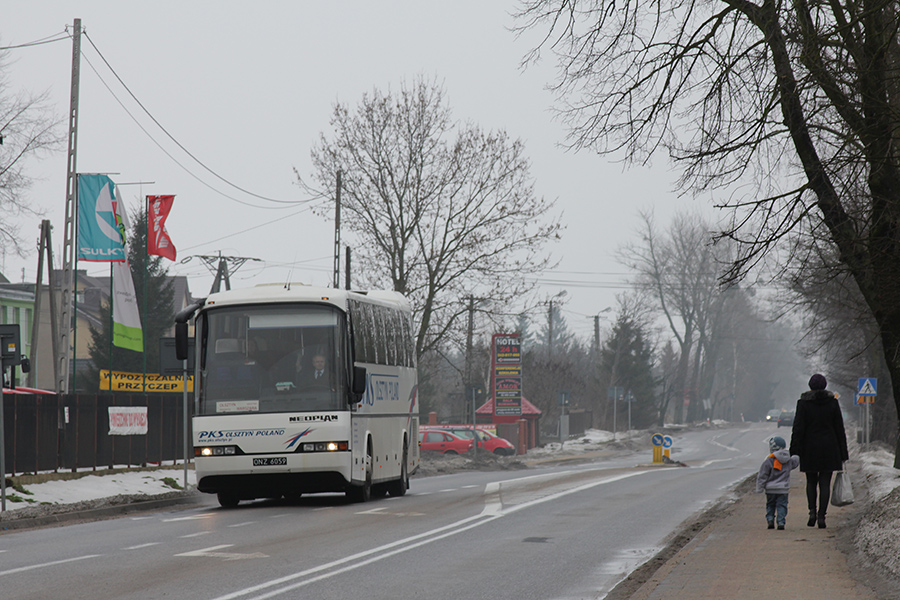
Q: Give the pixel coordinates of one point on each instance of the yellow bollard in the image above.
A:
(657, 439)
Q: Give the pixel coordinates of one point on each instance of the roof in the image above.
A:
(297, 292)
(527, 408)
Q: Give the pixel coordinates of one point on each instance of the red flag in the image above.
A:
(158, 241)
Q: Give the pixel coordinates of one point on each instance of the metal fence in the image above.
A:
(50, 432)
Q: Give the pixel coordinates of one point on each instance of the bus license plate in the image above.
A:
(270, 462)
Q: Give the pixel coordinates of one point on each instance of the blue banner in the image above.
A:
(99, 236)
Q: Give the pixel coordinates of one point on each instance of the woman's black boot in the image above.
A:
(812, 519)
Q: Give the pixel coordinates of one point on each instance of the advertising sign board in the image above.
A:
(506, 374)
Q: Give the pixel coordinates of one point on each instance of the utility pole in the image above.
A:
(45, 246)
(550, 329)
(337, 233)
(470, 328)
(68, 258)
(347, 268)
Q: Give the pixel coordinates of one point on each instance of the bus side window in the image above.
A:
(358, 332)
(372, 323)
(409, 341)
(397, 338)
(383, 330)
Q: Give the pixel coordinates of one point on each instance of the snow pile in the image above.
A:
(591, 441)
(94, 487)
(878, 533)
(881, 478)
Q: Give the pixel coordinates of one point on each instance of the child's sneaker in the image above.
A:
(780, 527)
(771, 525)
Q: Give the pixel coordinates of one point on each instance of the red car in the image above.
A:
(486, 439)
(443, 441)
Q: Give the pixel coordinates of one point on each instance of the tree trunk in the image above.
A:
(891, 342)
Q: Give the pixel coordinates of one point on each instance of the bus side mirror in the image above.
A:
(358, 386)
(181, 341)
(182, 349)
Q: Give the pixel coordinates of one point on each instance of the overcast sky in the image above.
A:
(247, 87)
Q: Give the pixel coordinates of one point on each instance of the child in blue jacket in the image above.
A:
(774, 479)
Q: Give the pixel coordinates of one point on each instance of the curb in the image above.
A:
(96, 514)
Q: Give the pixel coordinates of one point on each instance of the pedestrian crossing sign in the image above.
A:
(867, 386)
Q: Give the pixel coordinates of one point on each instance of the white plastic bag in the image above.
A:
(842, 490)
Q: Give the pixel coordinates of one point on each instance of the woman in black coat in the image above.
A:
(819, 440)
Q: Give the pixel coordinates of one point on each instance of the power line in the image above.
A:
(175, 141)
(47, 40)
(166, 152)
(246, 230)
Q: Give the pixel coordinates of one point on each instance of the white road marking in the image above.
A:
(715, 441)
(49, 564)
(372, 511)
(198, 534)
(244, 524)
(493, 510)
(706, 463)
(447, 490)
(212, 552)
(191, 518)
(139, 546)
(380, 512)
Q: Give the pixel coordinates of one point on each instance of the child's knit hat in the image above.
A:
(776, 443)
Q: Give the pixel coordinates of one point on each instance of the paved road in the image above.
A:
(559, 532)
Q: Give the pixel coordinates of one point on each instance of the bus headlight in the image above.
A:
(215, 450)
(324, 446)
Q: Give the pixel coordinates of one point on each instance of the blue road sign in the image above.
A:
(668, 441)
(868, 386)
(658, 439)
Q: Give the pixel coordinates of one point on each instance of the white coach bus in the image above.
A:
(301, 389)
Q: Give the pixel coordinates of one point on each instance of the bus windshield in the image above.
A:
(264, 358)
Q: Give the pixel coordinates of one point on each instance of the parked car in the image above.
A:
(786, 418)
(486, 439)
(443, 441)
(773, 415)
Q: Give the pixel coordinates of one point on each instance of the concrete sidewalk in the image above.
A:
(738, 558)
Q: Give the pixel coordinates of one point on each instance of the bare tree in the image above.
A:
(841, 327)
(440, 210)
(677, 268)
(798, 98)
(27, 129)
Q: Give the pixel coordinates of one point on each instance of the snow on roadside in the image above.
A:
(877, 465)
(877, 535)
(591, 440)
(94, 487)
